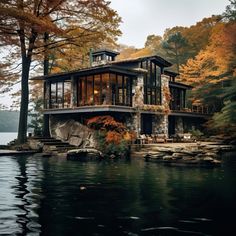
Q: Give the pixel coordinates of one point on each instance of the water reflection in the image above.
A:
(41, 196)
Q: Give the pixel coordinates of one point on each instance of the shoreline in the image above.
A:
(183, 154)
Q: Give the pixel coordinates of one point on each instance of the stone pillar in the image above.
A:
(165, 92)
(160, 124)
(138, 89)
(133, 123)
(73, 92)
(138, 98)
(179, 128)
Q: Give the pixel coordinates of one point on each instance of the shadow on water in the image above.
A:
(51, 196)
(27, 191)
(21, 192)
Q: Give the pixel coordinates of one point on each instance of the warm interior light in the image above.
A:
(95, 91)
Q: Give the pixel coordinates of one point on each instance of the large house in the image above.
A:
(142, 93)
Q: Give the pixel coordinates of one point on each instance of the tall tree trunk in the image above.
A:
(22, 128)
(26, 62)
(46, 56)
(46, 132)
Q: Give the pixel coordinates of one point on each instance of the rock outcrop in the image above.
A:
(197, 155)
(73, 132)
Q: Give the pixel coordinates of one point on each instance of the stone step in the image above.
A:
(64, 146)
(55, 143)
(49, 140)
(39, 138)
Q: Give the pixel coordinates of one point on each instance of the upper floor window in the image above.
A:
(152, 83)
(58, 94)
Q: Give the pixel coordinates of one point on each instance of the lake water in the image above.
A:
(53, 196)
(5, 138)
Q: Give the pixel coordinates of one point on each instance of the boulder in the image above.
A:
(73, 132)
(177, 155)
(207, 158)
(167, 158)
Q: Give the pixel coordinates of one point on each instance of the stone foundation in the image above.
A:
(160, 124)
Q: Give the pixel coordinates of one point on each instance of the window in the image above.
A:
(97, 89)
(53, 96)
(178, 98)
(89, 90)
(67, 94)
(105, 89)
(60, 94)
(152, 83)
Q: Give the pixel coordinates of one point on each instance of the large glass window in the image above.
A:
(67, 94)
(177, 98)
(53, 97)
(152, 83)
(90, 90)
(119, 90)
(105, 89)
(97, 89)
(60, 94)
(82, 91)
(113, 88)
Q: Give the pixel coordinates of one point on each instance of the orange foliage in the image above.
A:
(113, 137)
(115, 131)
(105, 122)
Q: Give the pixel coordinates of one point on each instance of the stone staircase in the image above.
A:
(49, 144)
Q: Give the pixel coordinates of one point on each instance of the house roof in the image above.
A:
(108, 52)
(170, 73)
(89, 71)
(179, 85)
(157, 59)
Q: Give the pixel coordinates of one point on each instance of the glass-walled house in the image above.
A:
(134, 91)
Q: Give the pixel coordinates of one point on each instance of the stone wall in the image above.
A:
(165, 91)
(132, 122)
(72, 132)
(160, 124)
(138, 91)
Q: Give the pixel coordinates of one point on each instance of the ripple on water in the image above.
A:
(54, 196)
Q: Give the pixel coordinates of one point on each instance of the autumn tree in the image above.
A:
(213, 74)
(24, 24)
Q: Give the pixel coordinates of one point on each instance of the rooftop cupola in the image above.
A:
(102, 57)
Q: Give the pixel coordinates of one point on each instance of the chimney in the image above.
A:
(103, 56)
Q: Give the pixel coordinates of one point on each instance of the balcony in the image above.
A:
(194, 110)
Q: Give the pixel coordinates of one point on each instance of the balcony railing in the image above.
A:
(199, 109)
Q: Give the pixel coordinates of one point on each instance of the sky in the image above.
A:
(145, 17)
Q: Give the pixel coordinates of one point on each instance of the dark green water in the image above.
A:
(40, 196)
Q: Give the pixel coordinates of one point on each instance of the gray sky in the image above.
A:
(144, 17)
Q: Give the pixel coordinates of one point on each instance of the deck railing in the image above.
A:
(193, 109)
